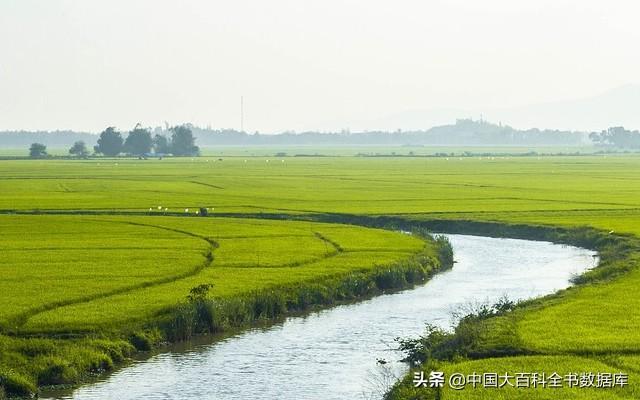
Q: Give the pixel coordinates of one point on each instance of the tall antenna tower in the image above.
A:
(241, 113)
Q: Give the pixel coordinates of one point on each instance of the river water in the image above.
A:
(332, 354)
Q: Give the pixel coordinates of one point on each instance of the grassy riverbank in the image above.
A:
(92, 313)
(586, 328)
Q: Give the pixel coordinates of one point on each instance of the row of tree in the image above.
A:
(140, 142)
(617, 137)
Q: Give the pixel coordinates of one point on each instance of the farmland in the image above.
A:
(345, 185)
(96, 271)
(94, 248)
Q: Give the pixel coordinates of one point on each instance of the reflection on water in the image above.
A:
(332, 354)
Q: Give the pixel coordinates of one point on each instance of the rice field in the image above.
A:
(128, 246)
(74, 273)
(324, 184)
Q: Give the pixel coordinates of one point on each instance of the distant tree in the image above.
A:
(616, 136)
(79, 149)
(596, 138)
(161, 144)
(183, 142)
(37, 150)
(109, 143)
(138, 141)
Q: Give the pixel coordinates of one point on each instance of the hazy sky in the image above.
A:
(86, 64)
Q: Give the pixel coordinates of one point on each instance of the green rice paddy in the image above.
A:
(110, 260)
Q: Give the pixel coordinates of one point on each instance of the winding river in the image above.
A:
(332, 354)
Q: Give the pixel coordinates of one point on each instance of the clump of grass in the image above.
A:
(354, 286)
(26, 363)
(119, 350)
(55, 370)
(445, 250)
(314, 294)
(181, 323)
(437, 344)
(141, 340)
(15, 384)
(268, 304)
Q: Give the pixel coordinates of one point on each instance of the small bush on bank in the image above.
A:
(445, 250)
(436, 344)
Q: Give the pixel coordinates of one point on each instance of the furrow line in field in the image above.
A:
(206, 184)
(23, 318)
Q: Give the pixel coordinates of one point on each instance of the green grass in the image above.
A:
(103, 272)
(253, 151)
(28, 362)
(120, 278)
(70, 273)
(599, 315)
(346, 151)
(331, 184)
(24, 152)
(51, 260)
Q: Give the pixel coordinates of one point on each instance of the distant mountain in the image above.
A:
(410, 120)
(615, 107)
